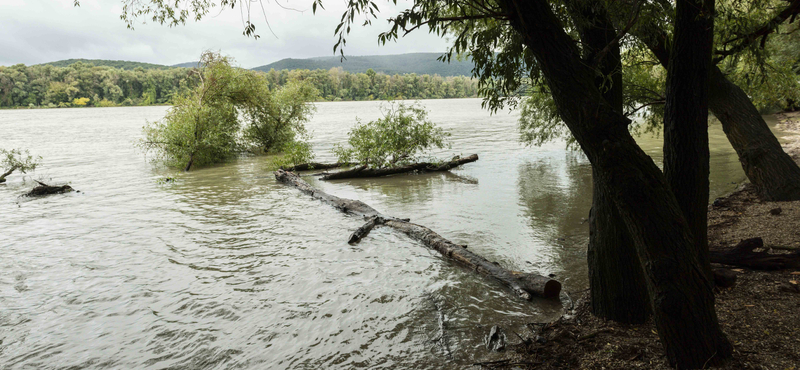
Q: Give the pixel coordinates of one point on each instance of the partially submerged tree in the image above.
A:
(17, 160)
(400, 137)
(204, 126)
(274, 119)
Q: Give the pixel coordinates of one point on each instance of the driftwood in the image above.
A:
(316, 166)
(525, 285)
(44, 189)
(743, 255)
(363, 171)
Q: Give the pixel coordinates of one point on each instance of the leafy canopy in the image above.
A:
(205, 125)
(17, 159)
(401, 136)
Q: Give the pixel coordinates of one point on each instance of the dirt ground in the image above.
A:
(760, 314)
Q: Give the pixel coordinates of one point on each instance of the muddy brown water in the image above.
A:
(225, 268)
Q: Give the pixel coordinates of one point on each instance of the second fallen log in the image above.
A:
(363, 171)
(525, 285)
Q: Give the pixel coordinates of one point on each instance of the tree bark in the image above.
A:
(525, 285)
(686, 153)
(773, 172)
(618, 290)
(363, 171)
(681, 293)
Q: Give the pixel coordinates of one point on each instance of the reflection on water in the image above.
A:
(225, 268)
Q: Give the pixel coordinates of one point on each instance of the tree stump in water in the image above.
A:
(525, 285)
(44, 189)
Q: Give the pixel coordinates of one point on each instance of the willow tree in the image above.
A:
(531, 38)
(230, 110)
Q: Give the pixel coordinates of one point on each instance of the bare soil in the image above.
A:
(760, 314)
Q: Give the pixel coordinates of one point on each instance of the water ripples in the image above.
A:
(224, 268)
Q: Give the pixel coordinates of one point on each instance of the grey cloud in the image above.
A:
(39, 31)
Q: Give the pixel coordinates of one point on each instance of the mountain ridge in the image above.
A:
(419, 63)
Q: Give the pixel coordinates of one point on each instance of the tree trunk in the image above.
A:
(617, 285)
(525, 285)
(618, 289)
(773, 172)
(686, 153)
(3, 176)
(363, 171)
(681, 293)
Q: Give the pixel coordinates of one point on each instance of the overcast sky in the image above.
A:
(40, 31)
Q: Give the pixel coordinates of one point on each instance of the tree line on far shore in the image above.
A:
(81, 84)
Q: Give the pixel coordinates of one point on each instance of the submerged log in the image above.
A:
(363, 171)
(525, 285)
(44, 189)
(743, 255)
(316, 166)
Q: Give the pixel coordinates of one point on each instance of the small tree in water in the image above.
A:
(204, 125)
(399, 137)
(16, 159)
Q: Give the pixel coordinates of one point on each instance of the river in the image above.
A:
(225, 268)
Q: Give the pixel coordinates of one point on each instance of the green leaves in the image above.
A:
(18, 159)
(399, 137)
(205, 125)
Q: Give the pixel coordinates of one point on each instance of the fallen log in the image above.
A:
(743, 255)
(363, 171)
(525, 285)
(316, 166)
(44, 189)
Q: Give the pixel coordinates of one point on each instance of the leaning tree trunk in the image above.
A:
(686, 153)
(773, 172)
(618, 289)
(525, 285)
(681, 293)
(4, 175)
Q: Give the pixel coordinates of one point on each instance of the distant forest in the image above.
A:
(85, 83)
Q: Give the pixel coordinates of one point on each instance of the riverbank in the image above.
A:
(759, 314)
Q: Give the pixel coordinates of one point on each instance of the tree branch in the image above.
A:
(762, 32)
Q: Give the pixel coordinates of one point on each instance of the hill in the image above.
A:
(186, 65)
(419, 63)
(122, 64)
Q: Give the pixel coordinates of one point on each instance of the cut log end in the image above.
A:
(539, 285)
